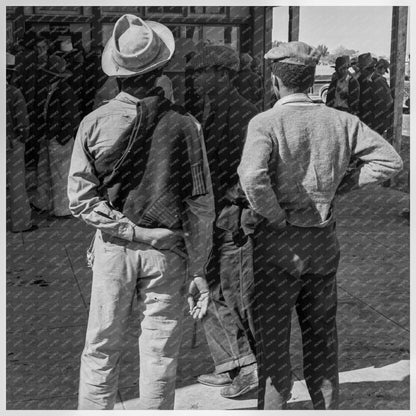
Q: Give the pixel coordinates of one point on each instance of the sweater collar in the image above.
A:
(297, 98)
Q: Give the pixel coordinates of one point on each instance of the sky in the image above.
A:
(364, 29)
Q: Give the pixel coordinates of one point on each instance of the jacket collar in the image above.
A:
(126, 98)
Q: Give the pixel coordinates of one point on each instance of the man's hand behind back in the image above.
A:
(159, 238)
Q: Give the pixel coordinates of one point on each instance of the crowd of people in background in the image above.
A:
(57, 83)
(359, 87)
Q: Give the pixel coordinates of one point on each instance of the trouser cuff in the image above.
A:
(235, 363)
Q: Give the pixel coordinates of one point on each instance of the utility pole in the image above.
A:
(294, 12)
(397, 71)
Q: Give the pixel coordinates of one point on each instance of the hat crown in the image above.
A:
(341, 61)
(216, 55)
(383, 62)
(135, 40)
(365, 60)
(136, 47)
(297, 53)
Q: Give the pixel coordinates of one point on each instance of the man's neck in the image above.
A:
(139, 92)
(284, 92)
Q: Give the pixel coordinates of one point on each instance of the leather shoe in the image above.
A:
(215, 379)
(242, 384)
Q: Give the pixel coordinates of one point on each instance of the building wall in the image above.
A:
(246, 29)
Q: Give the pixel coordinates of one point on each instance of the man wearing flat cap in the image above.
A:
(295, 160)
(376, 102)
(228, 324)
(344, 90)
(139, 175)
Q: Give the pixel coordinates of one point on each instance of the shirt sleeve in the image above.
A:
(199, 208)
(84, 200)
(254, 172)
(378, 160)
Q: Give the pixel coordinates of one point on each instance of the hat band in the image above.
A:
(141, 59)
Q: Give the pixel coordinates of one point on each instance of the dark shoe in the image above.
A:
(242, 384)
(38, 210)
(215, 379)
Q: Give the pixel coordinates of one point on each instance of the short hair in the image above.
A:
(295, 77)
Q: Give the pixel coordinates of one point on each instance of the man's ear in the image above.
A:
(275, 85)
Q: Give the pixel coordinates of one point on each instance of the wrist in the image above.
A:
(142, 235)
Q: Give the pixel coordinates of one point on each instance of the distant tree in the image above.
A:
(323, 50)
(343, 51)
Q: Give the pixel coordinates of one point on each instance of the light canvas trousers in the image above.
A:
(121, 270)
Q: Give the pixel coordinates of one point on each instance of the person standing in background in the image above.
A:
(19, 213)
(248, 83)
(228, 325)
(61, 118)
(344, 89)
(375, 98)
(25, 81)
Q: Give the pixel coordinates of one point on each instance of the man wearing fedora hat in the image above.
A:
(295, 160)
(228, 324)
(376, 101)
(344, 90)
(139, 175)
(382, 67)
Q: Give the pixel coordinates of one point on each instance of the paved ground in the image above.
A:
(48, 287)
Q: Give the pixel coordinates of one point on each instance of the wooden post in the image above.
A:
(397, 71)
(294, 12)
(18, 23)
(96, 40)
(261, 31)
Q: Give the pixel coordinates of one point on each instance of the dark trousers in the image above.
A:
(296, 268)
(229, 324)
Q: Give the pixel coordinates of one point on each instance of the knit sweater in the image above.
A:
(296, 156)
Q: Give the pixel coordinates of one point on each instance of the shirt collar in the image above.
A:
(296, 98)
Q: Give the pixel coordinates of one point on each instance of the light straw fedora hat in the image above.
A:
(136, 47)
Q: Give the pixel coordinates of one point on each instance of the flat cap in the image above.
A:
(297, 53)
(215, 55)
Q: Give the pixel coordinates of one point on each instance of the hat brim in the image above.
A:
(65, 74)
(167, 48)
